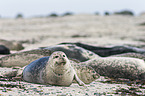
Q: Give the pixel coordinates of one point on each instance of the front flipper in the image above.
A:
(10, 74)
(76, 78)
(15, 73)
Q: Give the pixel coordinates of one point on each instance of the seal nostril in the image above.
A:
(56, 56)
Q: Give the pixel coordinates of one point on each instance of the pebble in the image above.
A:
(4, 90)
(46, 93)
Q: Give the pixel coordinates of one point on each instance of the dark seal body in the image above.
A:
(4, 50)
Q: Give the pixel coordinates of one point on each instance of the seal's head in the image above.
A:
(60, 58)
(59, 61)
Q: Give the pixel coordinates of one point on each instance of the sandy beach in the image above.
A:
(90, 29)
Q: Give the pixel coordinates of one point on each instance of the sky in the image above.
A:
(10, 8)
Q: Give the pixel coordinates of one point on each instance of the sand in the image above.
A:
(97, 30)
(85, 28)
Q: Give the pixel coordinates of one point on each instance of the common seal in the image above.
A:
(118, 67)
(23, 58)
(108, 51)
(4, 50)
(77, 53)
(12, 45)
(56, 69)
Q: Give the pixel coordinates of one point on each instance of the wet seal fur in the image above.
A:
(57, 70)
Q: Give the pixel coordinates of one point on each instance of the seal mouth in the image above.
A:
(61, 63)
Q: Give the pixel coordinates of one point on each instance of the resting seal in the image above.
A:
(118, 67)
(108, 51)
(56, 70)
(4, 50)
(12, 45)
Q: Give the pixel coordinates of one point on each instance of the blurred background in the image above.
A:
(30, 8)
(38, 23)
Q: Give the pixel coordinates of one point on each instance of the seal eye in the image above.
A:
(56, 56)
(63, 55)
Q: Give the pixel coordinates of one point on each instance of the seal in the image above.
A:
(23, 58)
(118, 67)
(77, 53)
(12, 45)
(53, 70)
(56, 69)
(108, 51)
(4, 50)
